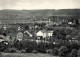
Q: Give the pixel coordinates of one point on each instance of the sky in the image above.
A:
(39, 4)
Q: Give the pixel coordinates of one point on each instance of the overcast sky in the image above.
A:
(39, 4)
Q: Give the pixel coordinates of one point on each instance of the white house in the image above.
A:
(44, 33)
(39, 33)
(70, 23)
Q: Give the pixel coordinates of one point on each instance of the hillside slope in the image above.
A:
(28, 14)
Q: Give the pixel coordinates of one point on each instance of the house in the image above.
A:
(29, 34)
(44, 33)
(2, 38)
(70, 23)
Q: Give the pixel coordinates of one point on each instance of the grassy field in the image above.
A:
(25, 55)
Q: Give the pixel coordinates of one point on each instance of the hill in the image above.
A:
(39, 14)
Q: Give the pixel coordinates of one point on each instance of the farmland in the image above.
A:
(26, 55)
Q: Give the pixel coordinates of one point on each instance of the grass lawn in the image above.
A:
(26, 55)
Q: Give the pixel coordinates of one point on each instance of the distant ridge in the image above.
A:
(26, 14)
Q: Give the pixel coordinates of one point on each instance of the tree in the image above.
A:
(79, 53)
(26, 27)
(63, 51)
(4, 34)
(74, 53)
(76, 22)
(56, 51)
(59, 34)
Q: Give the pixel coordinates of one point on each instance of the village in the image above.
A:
(47, 35)
(27, 29)
(39, 28)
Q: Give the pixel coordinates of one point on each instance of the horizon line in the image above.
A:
(39, 9)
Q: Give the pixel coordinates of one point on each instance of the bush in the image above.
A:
(18, 45)
(42, 47)
(26, 45)
(74, 53)
(79, 53)
(55, 51)
(11, 50)
(3, 47)
(34, 51)
(29, 46)
(49, 51)
(74, 46)
(63, 51)
(23, 51)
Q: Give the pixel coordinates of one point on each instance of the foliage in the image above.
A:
(3, 46)
(79, 52)
(74, 53)
(63, 51)
(34, 51)
(59, 34)
(49, 51)
(26, 27)
(11, 50)
(29, 45)
(74, 46)
(42, 47)
(56, 51)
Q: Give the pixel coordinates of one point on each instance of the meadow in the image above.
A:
(25, 55)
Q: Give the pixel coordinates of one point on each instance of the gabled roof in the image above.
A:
(46, 31)
(28, 33)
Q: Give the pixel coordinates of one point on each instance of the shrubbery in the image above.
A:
(79, 53)
(11, 50)
(56, 51)
(64, 48)
(3, 47)
(41, 47)
(74, 53)
(63, 51)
